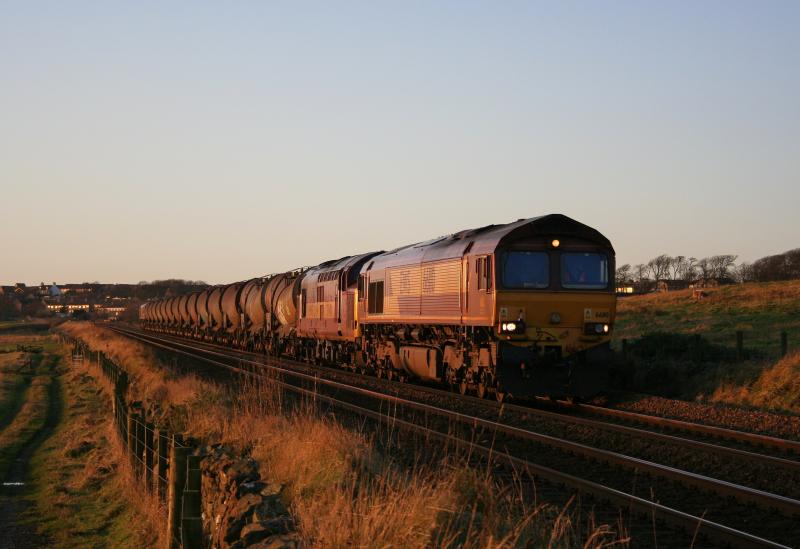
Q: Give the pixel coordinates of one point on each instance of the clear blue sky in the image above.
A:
(215, 141)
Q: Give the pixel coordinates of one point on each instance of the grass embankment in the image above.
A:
(343, 488)
(54, 449)
(82, 492)
(152, 382)
(669, 360)
(13, 385)
(29, 411)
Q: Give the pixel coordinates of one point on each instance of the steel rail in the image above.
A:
(679, 424)
(786, 505)
(690, 523)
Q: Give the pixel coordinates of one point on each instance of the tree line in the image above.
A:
(722, 268)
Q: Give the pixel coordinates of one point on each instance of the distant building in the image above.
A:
(111, 311)
(666, 285)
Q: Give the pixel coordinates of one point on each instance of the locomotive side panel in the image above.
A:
(440, 299)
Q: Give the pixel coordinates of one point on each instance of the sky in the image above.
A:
(219, 141)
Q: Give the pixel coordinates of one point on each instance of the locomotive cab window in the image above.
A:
(483, 270)
(361, 282)
(525, 270)
(375, 305)
(587, 271)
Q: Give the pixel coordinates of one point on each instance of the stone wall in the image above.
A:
(239, 509)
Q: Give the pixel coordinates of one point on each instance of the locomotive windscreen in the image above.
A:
(584, 271)
(525, 270)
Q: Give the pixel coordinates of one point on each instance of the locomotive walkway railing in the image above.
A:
(163, 463)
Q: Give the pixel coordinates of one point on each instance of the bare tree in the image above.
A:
(659, 266)
(785, 266)
(720, 266)
(744, 273)
(690, 269)
(704, 268)
(678, 263)
(623, 275)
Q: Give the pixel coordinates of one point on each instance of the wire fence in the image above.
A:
(163, 462)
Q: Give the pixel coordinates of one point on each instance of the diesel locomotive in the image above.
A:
(525, 308)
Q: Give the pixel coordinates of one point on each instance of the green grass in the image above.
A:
(9, 326)
(684, 347)
(79, 496)
(29, 414)
(760, 310)
(13, 388)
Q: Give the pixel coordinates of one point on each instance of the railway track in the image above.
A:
(731, 502)
(789, 447)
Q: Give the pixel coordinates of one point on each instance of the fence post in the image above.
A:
(784, 343)
(138, 444)
(163, 457)
(131, 430)
(191, 523)
(177, 479)
(739, 345)
(148, 456)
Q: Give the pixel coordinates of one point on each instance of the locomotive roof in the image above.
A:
(486, 239)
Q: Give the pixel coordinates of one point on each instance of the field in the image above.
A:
(57, 489)
(685, 347)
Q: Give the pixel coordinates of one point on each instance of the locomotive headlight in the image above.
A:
(517, 327)
(599, 328)
(555, 243)
(555, 318)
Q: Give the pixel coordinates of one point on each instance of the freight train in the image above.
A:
(524, 308)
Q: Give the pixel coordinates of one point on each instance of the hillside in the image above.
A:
(665, 357)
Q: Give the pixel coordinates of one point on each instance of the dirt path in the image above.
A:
(19, 532)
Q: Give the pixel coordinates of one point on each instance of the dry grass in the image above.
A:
(343, 492)
(755, 296)
(778, 387)
(151, 381)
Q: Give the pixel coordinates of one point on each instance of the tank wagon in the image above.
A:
(525, 308)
